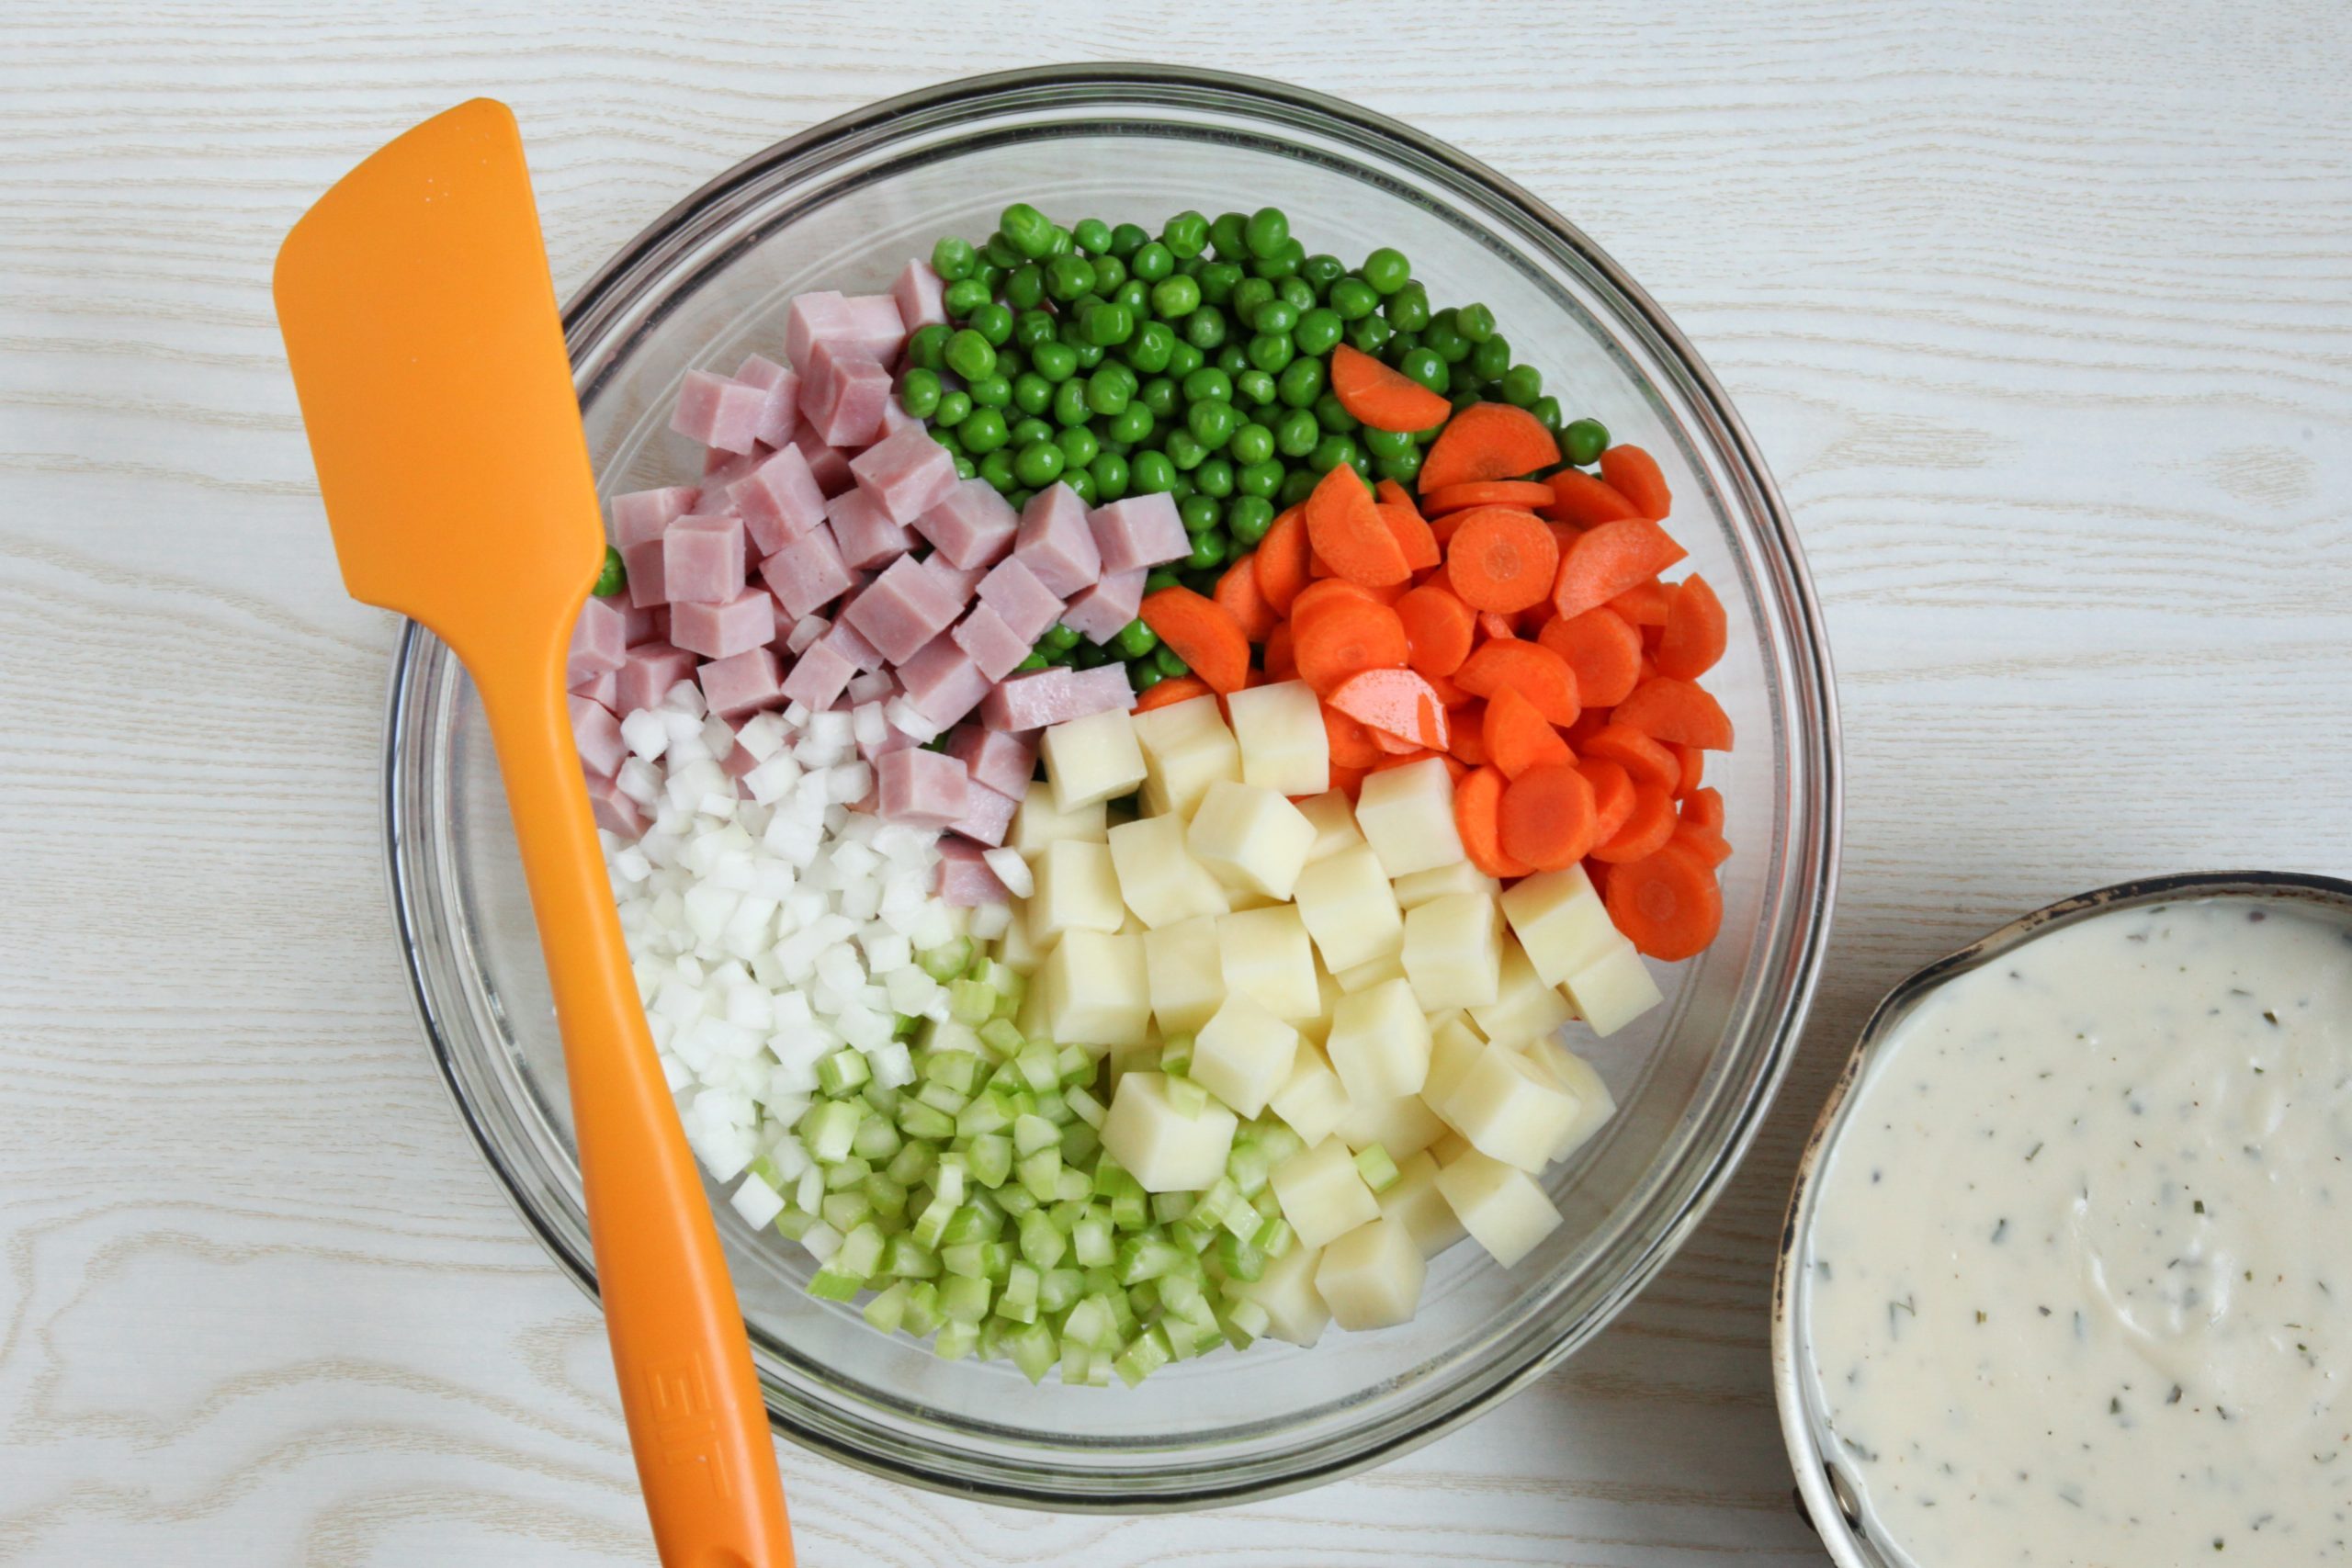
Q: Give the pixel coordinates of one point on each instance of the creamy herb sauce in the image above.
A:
(2080, 1285)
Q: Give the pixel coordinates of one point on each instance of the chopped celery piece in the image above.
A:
(911, 1164)
(1128, 1211)
(1249, 1167)
(904, 1025)
(1077, 1361)
(1180, 1294)
(1057, 1288)
(888, 1194)
(1000, 1036)
(1076, 1064)
(1070, 1185)
(1145, 1354)
(1147, 1256)
(1041, 1243)
(1037, 1065)
(1167, 1208)
(920, 1121)
(765, 1168)
(955, 1341)
(1041, 1174)
(987, 1113)
(842, 1071)
(1186, 1097)
(1176, 1055)
(861, 1252)
(970, 1002)
(832, 1285)
(946, 1098)
(1090, 1241)
(1018, 1299)
(991, 1157)
(1273, 1237)
(946, 961)
(922, 1308)
(1032, 1350)
(793, 1224)
(931, 1225)
(971, 1223)
(876, 1139)
(1088, 1109)
(1014, 1199)
(1011, 992)
(1031, 1134)
(1239, 1259)
(960, 1070)
(1089, 1323)
(1053, 1109)
(828, 1129)
(964, 1299)
(1379, 1172)
(843, 1211)
(888, 1310)
(847, 1173)
(908, 1258)
(1244, 1321)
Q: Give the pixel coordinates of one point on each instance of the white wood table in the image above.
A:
(2042, 314)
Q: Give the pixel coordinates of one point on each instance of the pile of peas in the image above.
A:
(1196, 365)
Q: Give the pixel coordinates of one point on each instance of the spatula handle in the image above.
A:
(699, 1427)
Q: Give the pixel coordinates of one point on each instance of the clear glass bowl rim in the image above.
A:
(1816, 818)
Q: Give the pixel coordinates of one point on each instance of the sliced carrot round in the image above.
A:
(1488, 441)
(1603, 651)
(1519, 739)
(1546, 817)
(1414, 540)
(1203, 634)
(1280, 663)
(1648, 762)
(1526, 494)
(1705, 809)
(1477, 805)
(1666, 904)
(1645, 829)
(1345, 527)
(1609, 559)
(1694, 768)
(1666, 709)
(1437, 629)
(1645, 605)
(1282, 559)
(1613, 795)
(1383, 397)
(1633, 474)
(1176, 689)
(1466, 733)
(1351, 743)
(1577, 497)
(1394, 702)
(1238, 592)
(1539, 674)
(1696, 631)
(1348, 638)
(1501, 558)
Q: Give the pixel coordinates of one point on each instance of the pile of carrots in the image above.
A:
(1519, 628)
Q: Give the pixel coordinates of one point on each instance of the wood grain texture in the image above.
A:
(2042, 314)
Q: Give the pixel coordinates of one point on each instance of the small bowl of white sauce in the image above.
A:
(2067, 1276)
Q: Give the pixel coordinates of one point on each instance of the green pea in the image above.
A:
(1386, 270)
(1131, 423)
(926, 343)
(1152, 473)
(1160, 396)
(1110, 273)
(1208, 550)
(1170, 665)
(1490, 361)
(1404, 469)
(1151, 264)
(1212, 424)
(1247, 518)
(1205, 328)
(1069, 278)
(1148, 349)
(1253, 386)
(993, 323)
(1174, 297)
(1546, 409)
(1058, 638)
(1401, 343)
(1297, 485)
(1249, 295)
(1031, 393)
(1386, 442)
(1333, 416)
(1082, 484)
(1160, 577)
(1011, 363)
(990, 392)
(1232, 359)
(1370, 335)
(1110, 471)
(954, 406)
(1039, 464)
(1301, 382)
(1522, 386)
(1199, 513)
(1107, 394)
(919, 391)
(984, 431)
(1296, 434)
(1186, 235)
(1183, 359)
(1070, 407)
(1054, 361)
(1253, 443)
(965, 296)
(1091, 235)
(1029, 430)
(1029, 230)
(989, 275)
(1332, 451)
(953, 258)
(1024, 286)
(1086, 656)
(1208, 382)
(1214, 479)
(1090, 354)
(1062, 245)
(1294, 292)
(1106, 326)
(1276, 315)
(1267, 232)
(948, 439)
(964, 469)
(1218, 280)
(1184, 450)
(1228, 234)
(1424, 364)
(1463, 398)
(1320, 331)
(1078, 445)
(1444, 341)
(1271, 352)
(1408, 310)
(1134, 639)
(612, 577)
(1320, 272)
(996, 468)
(1035, 660)
(1260, 479)
(1128, 238)
(1584, 441)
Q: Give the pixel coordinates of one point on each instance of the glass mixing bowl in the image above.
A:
(842, 207)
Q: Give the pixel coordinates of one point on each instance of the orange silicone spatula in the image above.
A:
(421, 326)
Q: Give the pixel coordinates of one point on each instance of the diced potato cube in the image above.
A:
(1612, 990)
(1335, 824)
(1158, 875)
(1414, 1202)
(1511, 1108)
(1186, 979)
(1327, 997)
(1039, 821)
(1524, 1008)
(1266, 953)
(1453, 953)
(1078, 889)
(1295, 1313)
(1500, 1205)
(1186, 747)
(1166, 1148)
(1406, 816)
(1416, 888)
(1311, 1101)
(1322, 1194)
(1017, 950)
(1454, 1045)
(1092, 759)
(1371, 1277)
(1595, 1104)
(1403, 1126)
(1560, 920)
(1243, 1055)
(1380, 1042)
(1251, 838)
(1364, 977)
(1284, 747)
(1093, 991)
(1347, 903)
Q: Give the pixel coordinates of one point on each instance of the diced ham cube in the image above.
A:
(643, 564)
(719, 412)
(817, 677)
(958, 582)
(742, 683)
(818, 316)
(1027, 605)
(1101, 612)
(965, 879)
(893, 740)
(895, 418)
(808, 573)
(972, 524)
(1055, 543)
(922, 789)
(987, 815)
(842, 391)
(1045, 697)
(907, 474)
(702, 559)
(652, 669)
(780, 414)
(720, 631)
(598, 734)
(942, 682)
(847, 642)
(615, 811)
(1099, 689)
(989, 643)
(863, 530)
(1000, 761)
(599, 641)
(921, 294)
(876, 326)
(901, 610)
(643, 624)
(641, 514)
(831, 467)
(603, 689)
(780, 500)
(1138, 532)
